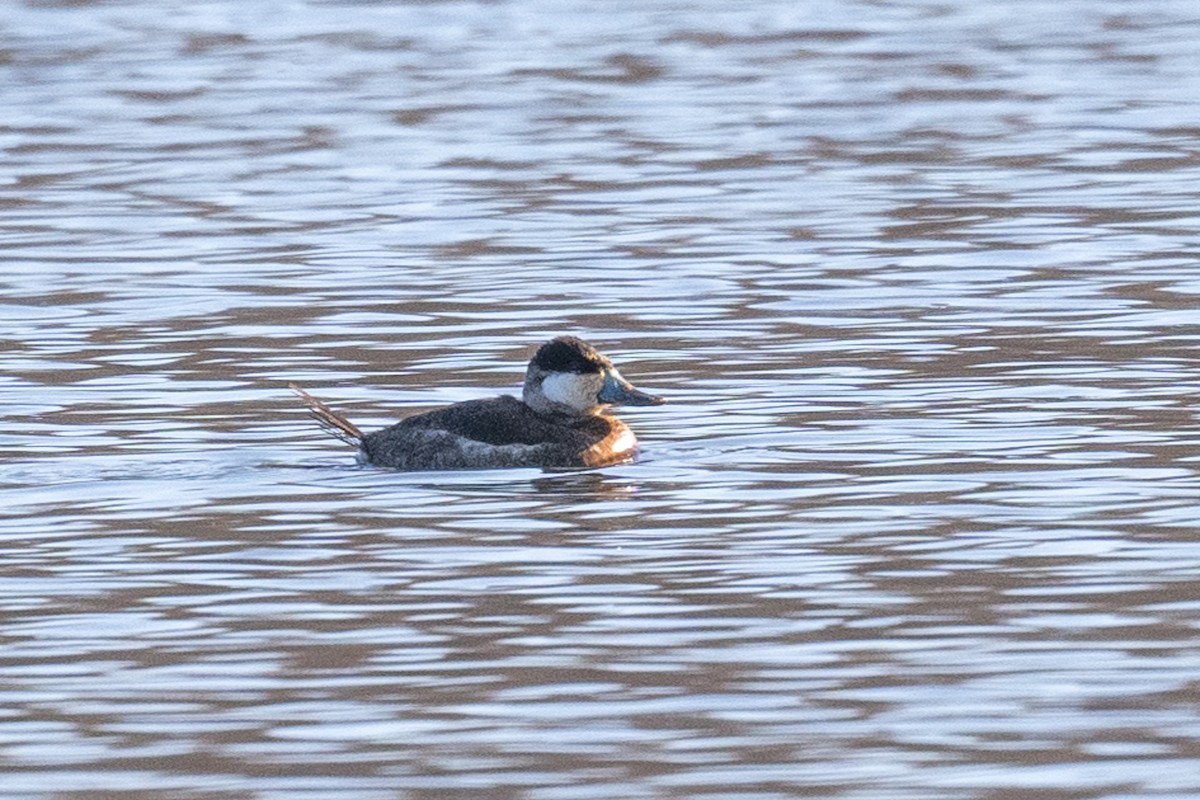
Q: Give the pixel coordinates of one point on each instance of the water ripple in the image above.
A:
(917, 523)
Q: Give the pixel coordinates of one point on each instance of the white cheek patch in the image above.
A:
(569, 389)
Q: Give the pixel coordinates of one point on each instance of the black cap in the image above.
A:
(569, 354)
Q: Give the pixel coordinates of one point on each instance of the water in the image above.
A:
(919, 280)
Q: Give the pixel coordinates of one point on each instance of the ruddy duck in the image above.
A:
(559, 422)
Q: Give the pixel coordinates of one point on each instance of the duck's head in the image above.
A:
(569, 376)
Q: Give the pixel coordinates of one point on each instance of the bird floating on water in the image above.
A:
(561, 420)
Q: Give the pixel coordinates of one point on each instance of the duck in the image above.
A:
(561, 420)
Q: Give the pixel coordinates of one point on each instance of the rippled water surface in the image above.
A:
(920, 280)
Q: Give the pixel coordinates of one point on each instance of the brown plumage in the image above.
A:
(560, 422)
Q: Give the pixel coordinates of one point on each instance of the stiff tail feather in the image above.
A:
(331, 421)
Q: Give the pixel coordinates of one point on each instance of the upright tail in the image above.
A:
(333, 422)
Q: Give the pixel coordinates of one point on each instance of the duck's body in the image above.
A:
(498, 432)
(560, 422)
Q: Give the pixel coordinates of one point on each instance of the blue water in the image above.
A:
(919, 281)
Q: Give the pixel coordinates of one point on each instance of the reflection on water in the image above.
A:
(919, 282)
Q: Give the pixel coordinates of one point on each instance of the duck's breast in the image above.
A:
(617, 443)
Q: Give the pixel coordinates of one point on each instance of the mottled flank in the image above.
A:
(498, 432)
